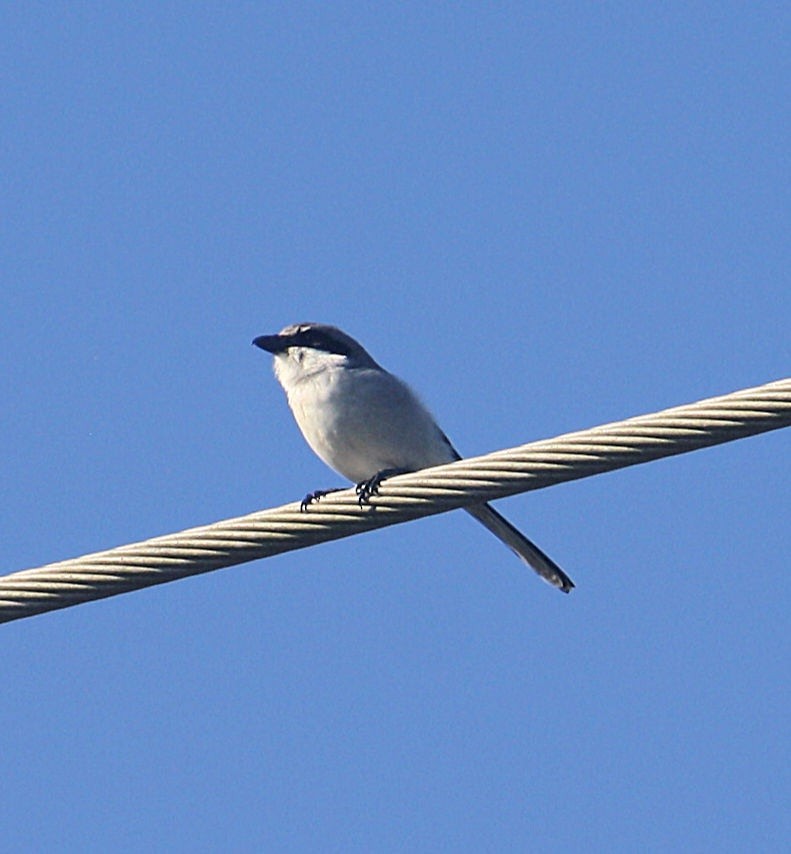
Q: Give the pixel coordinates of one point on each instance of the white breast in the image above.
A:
(361, 421)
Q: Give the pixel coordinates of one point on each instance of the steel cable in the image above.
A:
(437, 490)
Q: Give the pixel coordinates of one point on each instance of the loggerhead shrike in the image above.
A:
(369, 425)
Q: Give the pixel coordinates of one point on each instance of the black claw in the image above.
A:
(366, 489)
(314, 496)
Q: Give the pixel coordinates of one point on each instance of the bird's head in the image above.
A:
(303, 349)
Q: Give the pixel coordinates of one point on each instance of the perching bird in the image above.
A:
(368, 425)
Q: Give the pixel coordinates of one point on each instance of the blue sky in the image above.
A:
(545, 217)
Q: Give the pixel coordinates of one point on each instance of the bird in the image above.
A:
(368, 425)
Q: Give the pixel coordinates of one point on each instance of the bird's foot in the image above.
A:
(366, 489)
(315, 496)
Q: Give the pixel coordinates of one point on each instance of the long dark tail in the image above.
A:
(527, 551)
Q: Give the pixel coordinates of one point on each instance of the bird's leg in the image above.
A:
(366, 489)
(316, 496)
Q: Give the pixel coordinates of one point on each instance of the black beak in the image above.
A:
(271, 343)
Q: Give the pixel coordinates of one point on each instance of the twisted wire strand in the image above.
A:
(437, 490)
